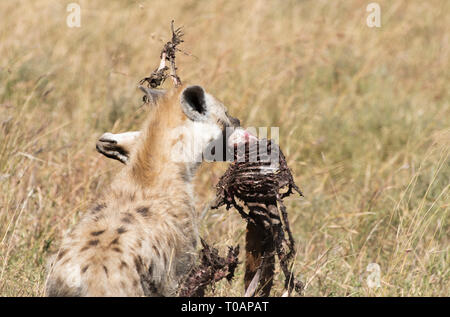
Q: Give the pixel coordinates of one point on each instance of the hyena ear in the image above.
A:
(193, 103)
(152, 95)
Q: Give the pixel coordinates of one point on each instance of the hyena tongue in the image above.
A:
(240, 135)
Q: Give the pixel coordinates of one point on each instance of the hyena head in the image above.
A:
(186, 126)
(207, 127)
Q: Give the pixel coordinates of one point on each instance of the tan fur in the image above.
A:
(153, 153)
(140, 237)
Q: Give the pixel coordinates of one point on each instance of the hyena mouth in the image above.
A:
(224, 149)
(238, 136)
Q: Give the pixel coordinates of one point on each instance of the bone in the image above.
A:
(239, 136)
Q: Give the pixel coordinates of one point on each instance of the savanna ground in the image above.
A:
(364, 119)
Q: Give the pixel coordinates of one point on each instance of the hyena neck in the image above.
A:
(160, 172)
(157, 162)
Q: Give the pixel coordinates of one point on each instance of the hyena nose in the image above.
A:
(235, 122)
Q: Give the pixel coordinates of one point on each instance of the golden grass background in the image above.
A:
(363, 112)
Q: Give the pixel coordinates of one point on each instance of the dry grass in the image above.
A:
(364, 121)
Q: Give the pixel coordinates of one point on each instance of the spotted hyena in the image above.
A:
(139, 238)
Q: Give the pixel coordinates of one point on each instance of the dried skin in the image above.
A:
(212, 269)
(159, 75)
(261, 193)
